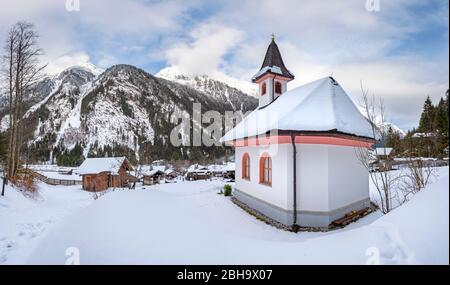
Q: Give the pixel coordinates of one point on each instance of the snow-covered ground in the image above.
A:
(189, 223)
(24, 221)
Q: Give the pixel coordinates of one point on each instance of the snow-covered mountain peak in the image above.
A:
(173, 73)
(76, 75)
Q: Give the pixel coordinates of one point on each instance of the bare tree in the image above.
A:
(417, 176)
(21, 53)
(382, 178)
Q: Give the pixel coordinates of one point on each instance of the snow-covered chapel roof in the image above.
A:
(321, 105)
(273, 63)
(102, 164)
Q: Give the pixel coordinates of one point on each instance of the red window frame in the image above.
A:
(246, 166)
(265, 170)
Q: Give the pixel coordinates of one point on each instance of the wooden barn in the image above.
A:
(103, 173)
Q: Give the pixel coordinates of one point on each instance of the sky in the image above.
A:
(397, 49)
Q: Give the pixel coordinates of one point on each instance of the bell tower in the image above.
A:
(273, 76)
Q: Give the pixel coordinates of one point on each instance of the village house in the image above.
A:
(229, 170)
(197, 172)
(154, 176)
(383, 152)
(102, 173)
(383, 159)
(170, 174)
(297, 154)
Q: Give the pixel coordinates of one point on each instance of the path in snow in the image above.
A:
(24, 221)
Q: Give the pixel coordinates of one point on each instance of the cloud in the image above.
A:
(107, 29)
(125, 18)
(400, 52)
(403, 82)
(204, 51)
(321, 38)
(106, 61)
(68, 60)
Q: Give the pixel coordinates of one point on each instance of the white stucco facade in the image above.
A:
(330, 183)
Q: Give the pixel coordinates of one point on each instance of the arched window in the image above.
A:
(278, 87)
(246, 166)
(265, 169)
(263, 88)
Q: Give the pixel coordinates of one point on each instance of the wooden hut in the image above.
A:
(103, 173)
(151, 177)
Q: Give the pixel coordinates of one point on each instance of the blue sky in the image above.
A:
(399, 52)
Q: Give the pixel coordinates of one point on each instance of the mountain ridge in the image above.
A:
(122, 111)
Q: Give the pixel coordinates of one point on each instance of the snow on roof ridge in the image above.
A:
(333, 97)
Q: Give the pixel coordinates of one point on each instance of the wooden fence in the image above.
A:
(50, 181)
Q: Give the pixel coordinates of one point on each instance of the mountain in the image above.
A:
(122, 111)
(385, 127)
(210, 84)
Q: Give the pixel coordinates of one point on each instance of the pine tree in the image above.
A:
(441, 118)
(427, 117)
(393, 140)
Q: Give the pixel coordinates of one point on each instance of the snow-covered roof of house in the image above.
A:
(230, 166)
(151, 172)
(102, 164)
(383, 150)
(273, 63)
(215, 168)
(169, 171)
(196, 168)
(321, 105)
(422, 135)
(159, 167)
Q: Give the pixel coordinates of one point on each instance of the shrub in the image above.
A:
(227, 190)
(25, 183)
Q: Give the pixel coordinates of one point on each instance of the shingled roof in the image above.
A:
(273, 63)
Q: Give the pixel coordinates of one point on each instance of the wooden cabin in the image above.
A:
(102, 173)
(152, 177)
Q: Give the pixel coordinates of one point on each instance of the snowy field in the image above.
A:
(189, 223)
